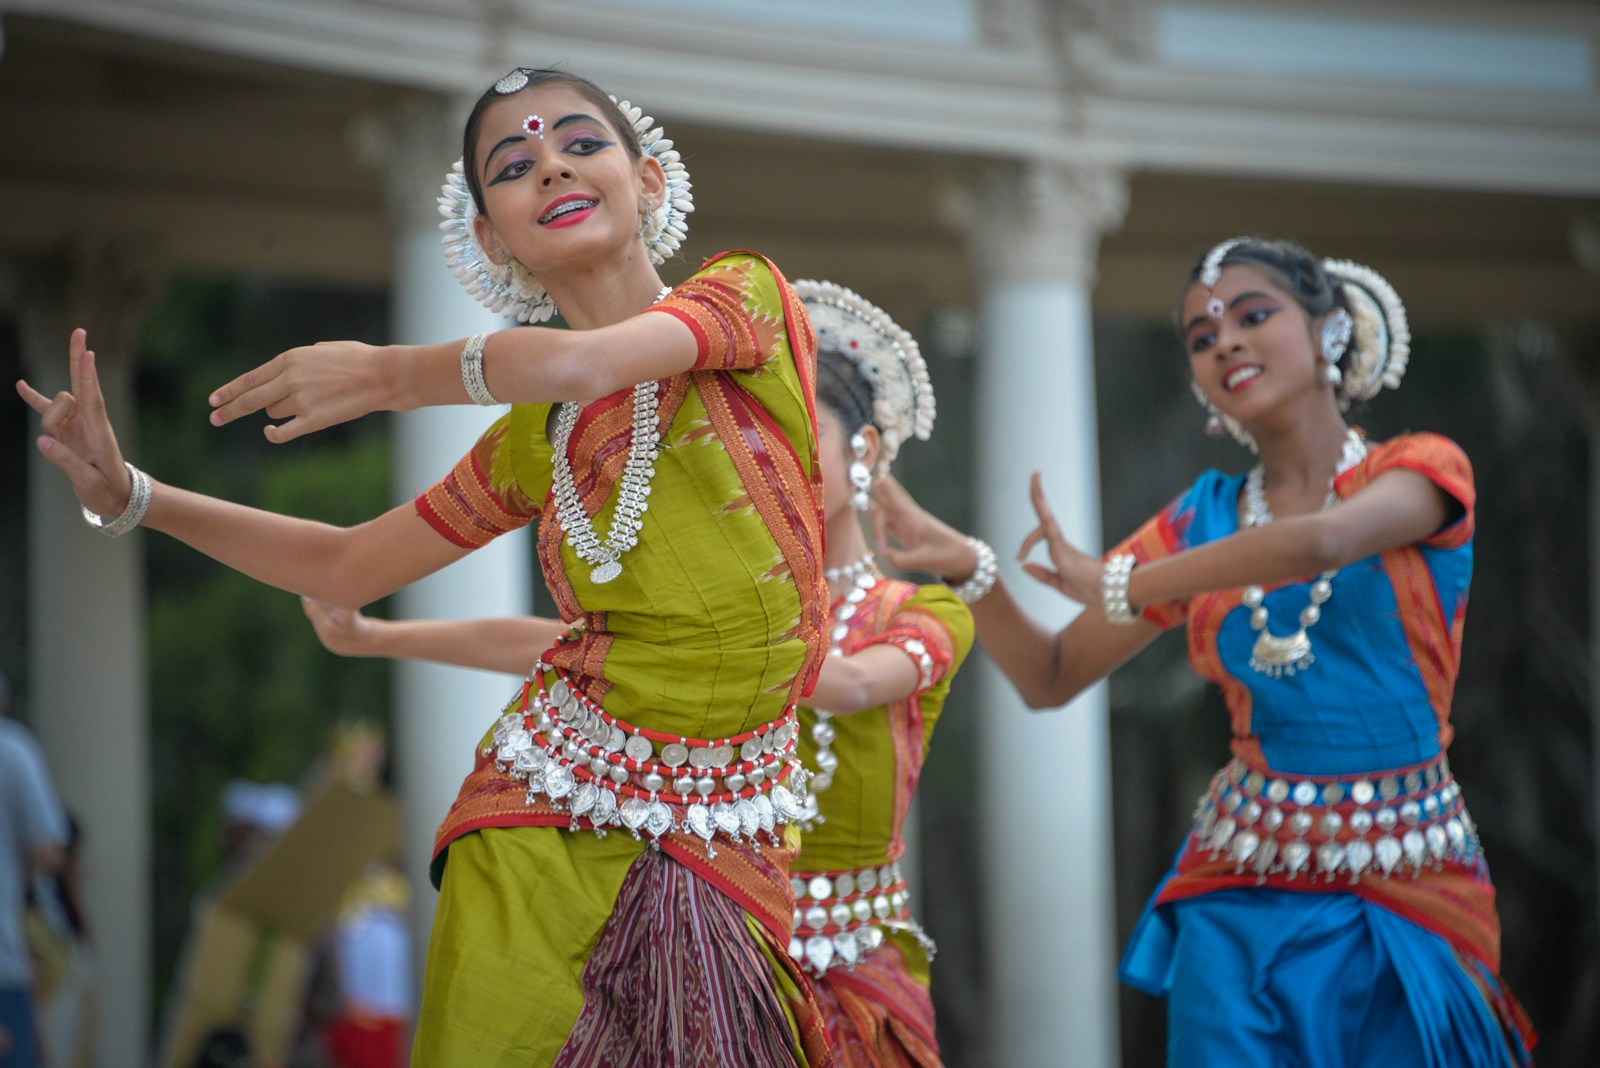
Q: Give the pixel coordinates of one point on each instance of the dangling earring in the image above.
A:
(644, 220)
(1331, 372)
(1218, 424)
(1214, 425)
(860, 475)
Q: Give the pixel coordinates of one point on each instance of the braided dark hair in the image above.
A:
(842, 387)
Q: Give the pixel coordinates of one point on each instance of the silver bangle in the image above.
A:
(1114, 589)
(132, 515)
(472, 371)
(983, 575)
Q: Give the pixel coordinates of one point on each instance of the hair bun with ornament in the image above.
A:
(887, 357)
(1380, 345)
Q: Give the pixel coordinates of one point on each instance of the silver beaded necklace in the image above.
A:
(633, 487)
(850, 571)
(1276, 655)
(862, 578)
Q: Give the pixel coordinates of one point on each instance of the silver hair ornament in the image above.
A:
(1211, 266)
(1381, 333)
(1336, 330)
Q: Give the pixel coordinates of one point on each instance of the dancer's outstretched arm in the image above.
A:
(511, 644)
(345, 566)
(317, 386)
(1047, 668)
(847, 684)
(1397, 508)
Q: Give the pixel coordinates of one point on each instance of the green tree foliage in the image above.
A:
(239, 686)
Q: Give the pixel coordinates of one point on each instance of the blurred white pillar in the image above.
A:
(440, 712)
(86, 637)
(1046, 848)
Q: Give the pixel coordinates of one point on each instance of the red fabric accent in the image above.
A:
(711, 305)
(881, 619)
(465, 509)
(1428, 634)
(1455, 902)
(1206, 613)
(757, 880)
(1437, 459)
(803, 347)
(878, 1015)
(1161, 535)
(788, 499)
(354, 1040)
(676, 981)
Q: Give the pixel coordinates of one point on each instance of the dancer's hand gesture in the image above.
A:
(912, 539)
(78, 437)
(1075, 573)
(310, 388)
(340, 630)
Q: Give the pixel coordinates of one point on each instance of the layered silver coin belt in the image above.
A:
(1335, 826)
(583, 761)
(841, 916)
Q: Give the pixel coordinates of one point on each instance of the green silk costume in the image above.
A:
(714, 626)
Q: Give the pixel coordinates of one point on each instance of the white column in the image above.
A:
(86, 638)
(1049, 908)
(440, 712)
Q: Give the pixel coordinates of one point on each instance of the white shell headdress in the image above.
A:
(886, 355)
(511, 290)
(1380, 345)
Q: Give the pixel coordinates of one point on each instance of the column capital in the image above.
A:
(105, 286)
(412, 144)
(1040, 219)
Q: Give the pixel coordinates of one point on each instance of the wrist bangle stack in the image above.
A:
(983, 575)
(472, 371)
(1114, 589)
(132, 515)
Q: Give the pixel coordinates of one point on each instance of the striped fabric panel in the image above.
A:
(729, 335)
(878, 1014)
(1434, 457)
(1455, 902)
(677, 980)
(465, 508)
(787, 499)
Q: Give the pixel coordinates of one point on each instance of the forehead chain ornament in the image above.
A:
(1211, 270)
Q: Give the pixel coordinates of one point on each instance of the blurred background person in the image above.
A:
(33, 837)
(58, 934)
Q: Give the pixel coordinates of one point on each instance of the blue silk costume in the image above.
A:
(1331, 906)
